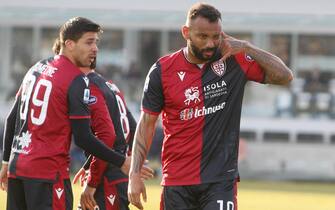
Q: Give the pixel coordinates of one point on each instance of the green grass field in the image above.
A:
(256, 195)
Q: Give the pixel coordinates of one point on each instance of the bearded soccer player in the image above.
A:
(199, 91)
(52, 101)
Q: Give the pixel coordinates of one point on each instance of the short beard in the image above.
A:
(80, 64)
(198, 53)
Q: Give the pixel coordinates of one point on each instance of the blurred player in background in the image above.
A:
(52, 101)
(199, 91)
(107, 184)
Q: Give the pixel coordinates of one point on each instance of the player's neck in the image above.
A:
(191, 58)
(67, 55)
(86, 70)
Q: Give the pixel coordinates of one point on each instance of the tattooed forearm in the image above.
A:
(140, 153)
(276, 72)
(143, 138)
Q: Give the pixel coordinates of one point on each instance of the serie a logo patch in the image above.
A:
(86, 95)
(219, 67)
(92, 100)
(248, 58)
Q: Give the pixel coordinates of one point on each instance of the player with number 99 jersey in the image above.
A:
(52, 92)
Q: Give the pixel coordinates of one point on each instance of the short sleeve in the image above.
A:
(250, 67)
(78, 98)
(153, 98)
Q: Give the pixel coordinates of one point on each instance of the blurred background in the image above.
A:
(287, 133)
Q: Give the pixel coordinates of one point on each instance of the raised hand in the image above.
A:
(231, 46)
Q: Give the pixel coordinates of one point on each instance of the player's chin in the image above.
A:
(207, 58)
(87, 63)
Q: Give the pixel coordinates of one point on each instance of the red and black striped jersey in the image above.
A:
(112, 123)
(52, 92)
(201, 110)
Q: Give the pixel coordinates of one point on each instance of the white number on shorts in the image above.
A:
(27, 89)
(230, 205)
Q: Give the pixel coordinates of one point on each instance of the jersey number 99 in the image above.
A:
(40, 100)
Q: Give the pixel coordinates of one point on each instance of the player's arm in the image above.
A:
(7, 144)
(84, 138)
(276, 72)
(103, 127)
(9, 132)
(142, 143)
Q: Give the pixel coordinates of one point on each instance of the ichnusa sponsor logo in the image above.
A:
(190, 113)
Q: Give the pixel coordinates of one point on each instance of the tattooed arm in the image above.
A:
(141, 145)
(276, 72)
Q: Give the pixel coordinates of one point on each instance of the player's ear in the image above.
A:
(69, 44)
(185, 32)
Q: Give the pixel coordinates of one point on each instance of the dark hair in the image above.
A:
(74, 28)
(56, 46)
(94, 63)
(204, 10)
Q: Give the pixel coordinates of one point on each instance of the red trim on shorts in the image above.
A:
(58, 195)
(119, 181)
(235, 194)
(112, 200)
(162, 200)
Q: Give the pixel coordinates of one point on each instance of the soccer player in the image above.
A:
(51, 102)
(199, 91)
(107, 185)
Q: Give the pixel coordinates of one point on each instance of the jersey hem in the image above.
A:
(79, 117)
(186, 183)
(150, 112)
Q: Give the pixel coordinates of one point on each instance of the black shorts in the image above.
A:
(31, 194)
(213, 196)
(112, 195)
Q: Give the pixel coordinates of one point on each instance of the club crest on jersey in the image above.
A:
(192, 94)
(219, 67)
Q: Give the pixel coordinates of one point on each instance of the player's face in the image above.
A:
(86, 49)
(204, 38)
